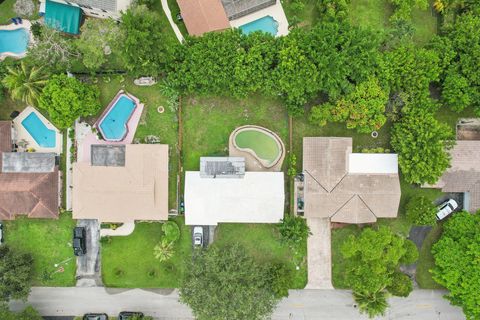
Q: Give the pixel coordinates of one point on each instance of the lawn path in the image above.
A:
(168, 13)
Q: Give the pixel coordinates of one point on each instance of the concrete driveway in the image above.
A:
(88, 265)
(319, 254)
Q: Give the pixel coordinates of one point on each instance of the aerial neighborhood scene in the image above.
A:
(239, 159)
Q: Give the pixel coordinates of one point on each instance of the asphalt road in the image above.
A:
(300, 305)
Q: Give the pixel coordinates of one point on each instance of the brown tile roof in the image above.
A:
(331, 191)
(464, 172)
(31, 194)
(202, 16)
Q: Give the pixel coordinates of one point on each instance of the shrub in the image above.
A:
(421, 211)
(294, 230)
(401, 285)
(411, 252)
(171, 231)
(281, 279)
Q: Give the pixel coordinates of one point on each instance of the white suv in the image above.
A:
(446, 208)
(198, 236)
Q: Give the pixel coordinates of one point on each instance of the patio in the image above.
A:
(24, 139)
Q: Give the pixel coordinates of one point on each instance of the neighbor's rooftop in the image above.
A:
(239, 8)
(201, 16)
(136, 191)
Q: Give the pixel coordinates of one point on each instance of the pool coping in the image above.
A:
(21, 133)
(275, 11)
(26, 24)
(252, 153)
(107, 110)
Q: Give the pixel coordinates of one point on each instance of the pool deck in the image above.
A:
(275, 11)
(85, 137)
(20, 133)
(26, 25)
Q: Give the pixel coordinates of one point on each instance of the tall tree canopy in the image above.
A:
(225, 283)
(25, 82)
(26, 314)
(457, 265)
(422, 144)
(66, 98)
(371, 263)
(16, 273)
(146, 46)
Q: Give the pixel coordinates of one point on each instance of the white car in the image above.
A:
(198, 236)
(446, 208)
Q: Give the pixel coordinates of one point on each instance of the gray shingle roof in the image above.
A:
(222, 167)
(108, 155)
(109, 5)
(28, 162)
(239, 8)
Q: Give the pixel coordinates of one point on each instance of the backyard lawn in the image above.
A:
(6, 11)
(209, 121)
(49, 242)
(164, 126)
(128, 262)
(262, 242)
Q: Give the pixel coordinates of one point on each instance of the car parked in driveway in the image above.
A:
(126, 315)
(95, 316)
(1, 233)
(198, 236)
(446, 208)
(79, 241)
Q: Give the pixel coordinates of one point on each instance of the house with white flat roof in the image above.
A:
(250, 197)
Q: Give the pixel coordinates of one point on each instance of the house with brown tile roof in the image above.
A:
(463, 176)
(348, 187)
(122, 183)
(201, 16)
(28, 181)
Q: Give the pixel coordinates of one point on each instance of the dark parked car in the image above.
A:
(79, 241)
(1, 233)
(126, 315)
(95, 316)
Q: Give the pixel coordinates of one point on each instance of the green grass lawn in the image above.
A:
(128, 262)
(262, 242)
(6, 11)
(209, 121)
(164, 126)
(426, 260)
(173, 5)
(301, 13)
(49, 242)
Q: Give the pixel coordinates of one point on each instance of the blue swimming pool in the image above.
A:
(114, 124)
(266, 24)
(15, 41)
(43, 136)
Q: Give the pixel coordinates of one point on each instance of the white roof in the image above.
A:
(256, 198)
(375, 163)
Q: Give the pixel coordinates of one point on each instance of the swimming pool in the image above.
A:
(14, 41)
(266, 24)
(114, 124)
(43, 136)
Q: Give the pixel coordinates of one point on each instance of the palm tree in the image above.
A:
(25, 83)
(163, 250)
(372, 303)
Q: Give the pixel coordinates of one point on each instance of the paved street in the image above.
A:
(300, 305)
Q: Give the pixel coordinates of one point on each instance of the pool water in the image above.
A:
(43, 136)
(264, 145)
(114, 125)
(15, 41)
(266, 24)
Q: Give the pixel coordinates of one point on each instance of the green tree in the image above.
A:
(421, 211)
(25, 83)
(404, 8)
(371, 261)
(27, 314)
(163, 251)
(66, 98)
(411, 252)
(401, 285)
(456, 262)
(225, 283)
(363, 109)
(282, 279)
(422, 144)
(457, 92)
(294, 230)
(372, 303)
(146, 47)
(171, 231)
(16, 273)
(98, 38)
